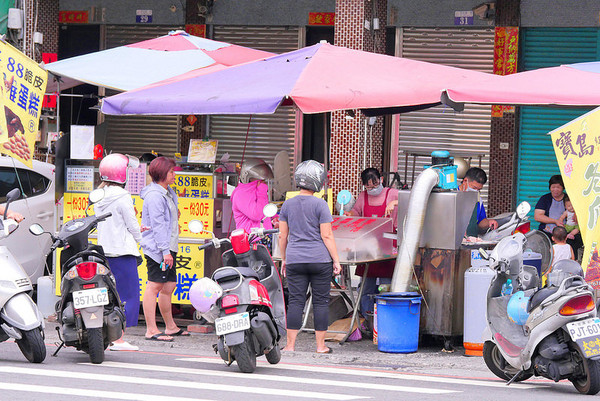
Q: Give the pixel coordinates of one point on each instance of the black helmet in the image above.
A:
(311, 175)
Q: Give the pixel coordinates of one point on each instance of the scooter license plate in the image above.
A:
(233, 323)
(586, 333)
(89, 298)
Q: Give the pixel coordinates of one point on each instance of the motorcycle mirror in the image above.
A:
(196, 226)
(484, 254)
(523, 209)
(96, 196)
(36, 229)
(11, 196)
(270, 210)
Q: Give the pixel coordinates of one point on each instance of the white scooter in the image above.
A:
(19, 316)
(552, 331)
(508, 223)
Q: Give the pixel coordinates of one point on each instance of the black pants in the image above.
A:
(299, 275)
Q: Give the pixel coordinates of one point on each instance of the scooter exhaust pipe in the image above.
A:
(264, 330)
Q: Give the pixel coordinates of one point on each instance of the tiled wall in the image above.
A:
(347, 135)
(502, 186)
(48, 25)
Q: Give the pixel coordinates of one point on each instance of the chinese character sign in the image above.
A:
(506, 48)
(193, 185)
(23, 87)
(577, 148)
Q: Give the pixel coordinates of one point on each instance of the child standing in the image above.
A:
(569, 218)
(561, 249)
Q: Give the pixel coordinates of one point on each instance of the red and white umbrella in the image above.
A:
(140, 64)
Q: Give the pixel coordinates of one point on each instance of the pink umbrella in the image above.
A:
(316, 79)
(566, 85)
(143, 63)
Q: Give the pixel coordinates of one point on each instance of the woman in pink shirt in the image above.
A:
(375, 201)
(250, 197)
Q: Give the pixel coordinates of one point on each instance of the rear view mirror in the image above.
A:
(96, 196)
(36, 229)
(196, 226)
(523, 209)
(12, 195)
(270, 210)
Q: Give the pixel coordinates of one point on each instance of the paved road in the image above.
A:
(162, 373)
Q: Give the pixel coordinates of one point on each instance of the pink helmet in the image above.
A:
(113, 167)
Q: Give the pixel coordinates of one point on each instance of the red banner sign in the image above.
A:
(49, 100)
(73, 17)
(196, 30)
(321, 18)
(506, 50)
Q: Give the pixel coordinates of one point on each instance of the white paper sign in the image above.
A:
(82, 142)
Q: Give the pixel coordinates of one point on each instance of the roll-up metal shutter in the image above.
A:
(440, 128)
(135, 135)
(547, 47)
(139, 134)
(268, 134)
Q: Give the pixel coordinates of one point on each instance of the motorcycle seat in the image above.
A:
(545, 292)
(540, 296)
(229, 274)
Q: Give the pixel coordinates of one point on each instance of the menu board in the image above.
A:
(202, 151)
(80, 179)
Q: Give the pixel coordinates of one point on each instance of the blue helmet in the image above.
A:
(517, 308)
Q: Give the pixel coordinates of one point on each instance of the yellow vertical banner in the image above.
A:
(23, 87)
(577, 148)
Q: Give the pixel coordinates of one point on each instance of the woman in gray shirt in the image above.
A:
(308, 252)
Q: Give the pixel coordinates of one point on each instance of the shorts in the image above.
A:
(570, 228)
(155, 273)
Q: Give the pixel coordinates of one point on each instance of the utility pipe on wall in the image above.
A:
(415, 219)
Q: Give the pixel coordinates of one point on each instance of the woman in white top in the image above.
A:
(119, 236)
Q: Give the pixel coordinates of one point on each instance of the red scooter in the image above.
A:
(244, 298)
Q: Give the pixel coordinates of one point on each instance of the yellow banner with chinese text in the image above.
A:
(23, 87)
(577, 148)
(189, 262)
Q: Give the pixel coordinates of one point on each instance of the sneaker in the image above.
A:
(124, 346)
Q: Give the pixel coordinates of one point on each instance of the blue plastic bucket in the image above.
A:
(398, 317)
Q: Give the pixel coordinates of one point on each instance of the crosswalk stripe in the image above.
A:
(32, 388)
(258, 376)
(177, 383)
(377, 373)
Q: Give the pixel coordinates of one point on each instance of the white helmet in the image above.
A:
(311, 175)
(255, 169)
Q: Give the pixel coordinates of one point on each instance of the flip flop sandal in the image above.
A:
(329, 351)
(180, 333)
(157, 336)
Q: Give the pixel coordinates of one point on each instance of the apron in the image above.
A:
(377, 269)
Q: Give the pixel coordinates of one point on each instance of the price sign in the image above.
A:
(196, 209)
(74, 206)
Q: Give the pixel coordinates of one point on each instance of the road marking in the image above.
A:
(176, 383)
(32, 388)
(377, 373)
(259, 376)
